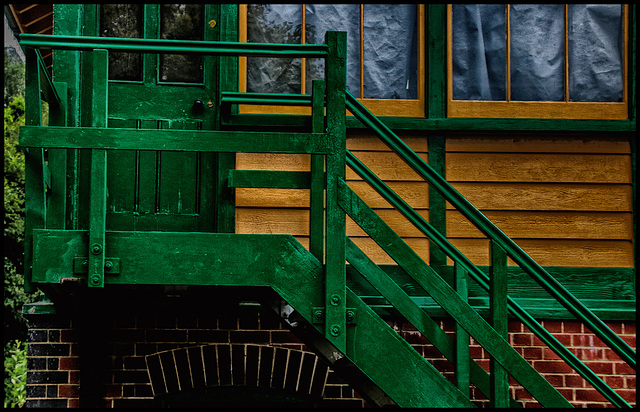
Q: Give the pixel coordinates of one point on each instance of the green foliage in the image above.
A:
(13, 75)
(15, 374)
(14, 294)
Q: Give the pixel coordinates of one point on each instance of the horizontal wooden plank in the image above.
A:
(387, 166)
(365, 140)
(380, 257)
(414, 193)
(171, 258)
(296, 222)
(259, 197)
(536, 143)
(607, 284)
(273, 161)
(534, 196)
(172, 140)
(536, 167)
(521, 225)
(547, 225)
(557, 252)
(487, 196)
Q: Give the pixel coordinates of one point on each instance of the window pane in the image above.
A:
(321, 18)
(274, 23)
(537, 52)
(479, 52)
(595, 52)
(181, 22)
(123, 20)
(390, 51)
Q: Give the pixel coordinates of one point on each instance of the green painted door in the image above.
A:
(161, 190)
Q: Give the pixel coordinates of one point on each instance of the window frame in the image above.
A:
(534, 109)
(379, 107)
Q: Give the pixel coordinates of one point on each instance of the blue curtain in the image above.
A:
(537, 52)
(390, 47)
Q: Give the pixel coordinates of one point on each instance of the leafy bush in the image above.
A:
(15, 374)
(14, 295)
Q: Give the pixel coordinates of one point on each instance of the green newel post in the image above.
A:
(335, 291)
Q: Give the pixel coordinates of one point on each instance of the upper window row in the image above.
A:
(518, 60)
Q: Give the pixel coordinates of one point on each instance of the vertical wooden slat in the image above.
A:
(335, 268)
(566, 53)
(462, 358)
(508, 21)
(303, 40)
(437, 204)
(224, 198)
(58, 166)
(316, 202)
(35, 190)
(498, 314)
(361, 50)
(98, 185)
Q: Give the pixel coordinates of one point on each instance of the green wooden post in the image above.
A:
(462, 358)
(316, 202)
(227, 69)
(498, 313)
(437, 58)
(335, 268)
(437, 204)
(35, 189)
(98, 185)
(57, 199)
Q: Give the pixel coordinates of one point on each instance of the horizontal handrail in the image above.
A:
(548, 282)
(133, 45)
(481, 278)
(283, 99)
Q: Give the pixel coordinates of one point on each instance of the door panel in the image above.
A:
(160, 190)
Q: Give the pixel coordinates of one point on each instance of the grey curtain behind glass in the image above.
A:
(479, 52)
(390, 47)
(274, 23)
(537, 52)
(595, 52)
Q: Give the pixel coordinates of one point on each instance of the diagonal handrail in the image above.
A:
(548, 282)
(483, 280)
(464, 206)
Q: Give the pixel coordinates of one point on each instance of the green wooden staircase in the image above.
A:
(333, 319)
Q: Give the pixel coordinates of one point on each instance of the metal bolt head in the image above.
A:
(95, 279)
(350, 315)
(108, 265)
(335, 330)
(335, 300)
(96, 249)
(318, 314)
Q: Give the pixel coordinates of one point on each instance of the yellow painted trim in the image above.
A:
(538, 110)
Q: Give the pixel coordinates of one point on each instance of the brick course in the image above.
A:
(54, 362)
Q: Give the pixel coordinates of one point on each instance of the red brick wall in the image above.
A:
(54, 363)
(53, 356)
(586, 346)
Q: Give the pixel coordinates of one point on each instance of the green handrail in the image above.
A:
(548, 282)
(48, 41)
(283, 99)
(483, 279)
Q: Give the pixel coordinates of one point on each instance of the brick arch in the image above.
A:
(260, 366)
